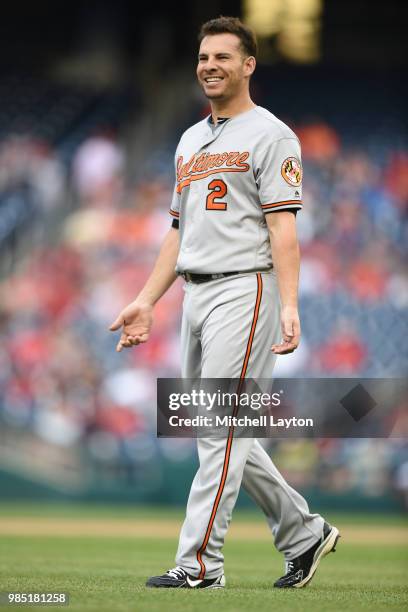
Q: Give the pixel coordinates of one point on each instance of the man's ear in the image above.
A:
(250, 65)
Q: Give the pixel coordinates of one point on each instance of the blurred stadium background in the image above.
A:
(93, 99)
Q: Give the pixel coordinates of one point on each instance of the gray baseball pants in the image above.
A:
(228, 328)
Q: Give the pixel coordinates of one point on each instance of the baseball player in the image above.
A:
(233, 240)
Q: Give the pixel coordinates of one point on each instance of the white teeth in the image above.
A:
(213, 79)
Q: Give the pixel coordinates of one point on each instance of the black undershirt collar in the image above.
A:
(219, 120)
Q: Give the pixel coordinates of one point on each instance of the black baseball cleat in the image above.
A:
(177, 578)
(300, 571)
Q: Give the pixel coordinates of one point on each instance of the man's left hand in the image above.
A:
(290, 325)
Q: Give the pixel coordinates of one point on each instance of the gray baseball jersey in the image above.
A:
(228, 176)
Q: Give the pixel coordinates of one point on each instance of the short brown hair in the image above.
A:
(231, 25)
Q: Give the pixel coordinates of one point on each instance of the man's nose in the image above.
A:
(210, 64)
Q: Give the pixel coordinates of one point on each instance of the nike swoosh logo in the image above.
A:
(193, 583)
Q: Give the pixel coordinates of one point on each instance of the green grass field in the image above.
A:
(107, 572)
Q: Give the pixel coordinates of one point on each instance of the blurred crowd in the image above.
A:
(60, 376)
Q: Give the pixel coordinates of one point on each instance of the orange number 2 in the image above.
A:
(218, 190)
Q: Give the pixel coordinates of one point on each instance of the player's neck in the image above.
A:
(230, 108)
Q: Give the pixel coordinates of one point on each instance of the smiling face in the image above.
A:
(223, 71)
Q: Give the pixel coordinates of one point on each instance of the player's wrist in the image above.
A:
(144, 302)
(290, 306)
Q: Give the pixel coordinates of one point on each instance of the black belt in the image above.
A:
(191, 277)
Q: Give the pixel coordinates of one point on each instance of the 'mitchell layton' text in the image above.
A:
(234, 421)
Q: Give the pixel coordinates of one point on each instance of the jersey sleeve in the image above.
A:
(278, 175)
(175, 208)
(175, 201)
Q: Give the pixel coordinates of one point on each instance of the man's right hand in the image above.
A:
(136, 321)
